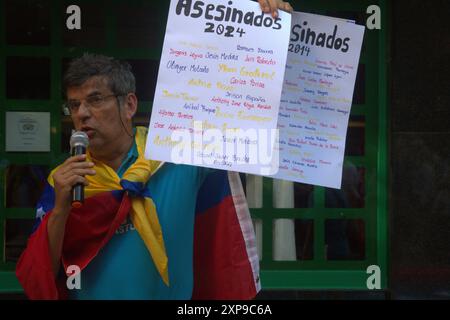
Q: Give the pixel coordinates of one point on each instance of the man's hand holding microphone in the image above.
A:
(69, 182)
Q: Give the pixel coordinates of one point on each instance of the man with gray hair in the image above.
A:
(134, 236)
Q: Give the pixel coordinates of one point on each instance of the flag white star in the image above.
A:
(40, 213)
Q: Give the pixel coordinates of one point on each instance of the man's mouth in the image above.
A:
(89, 131)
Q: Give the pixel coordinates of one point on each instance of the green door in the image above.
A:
(324, 238)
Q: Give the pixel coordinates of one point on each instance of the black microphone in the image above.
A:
(79, 142)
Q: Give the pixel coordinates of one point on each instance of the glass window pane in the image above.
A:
(146, 74)
(257, 226)
(345, 239)
(304, 239)
(352, 192)
(17, 232)
(293, 239)
(24, 185)
(27, 78)
(27, 22)
(282, 193)
(355, 142)
(64, 66)
(93, 31)
(303, 195)
(254, 190)
(145, 29)
(287, 194)
(359, 94)
(66, 132)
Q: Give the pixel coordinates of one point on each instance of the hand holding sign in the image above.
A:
(271, 6)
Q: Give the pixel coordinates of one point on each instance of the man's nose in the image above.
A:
(83, 110)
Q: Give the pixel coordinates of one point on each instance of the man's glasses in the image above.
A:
(91, 102)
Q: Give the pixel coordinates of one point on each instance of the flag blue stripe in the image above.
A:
(217, 181)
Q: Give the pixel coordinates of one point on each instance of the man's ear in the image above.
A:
(131, 105)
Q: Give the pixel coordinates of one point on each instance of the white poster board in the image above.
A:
(317, 96)
(219, 86)
(27, 131)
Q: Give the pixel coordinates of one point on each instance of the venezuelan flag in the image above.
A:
(226, 264)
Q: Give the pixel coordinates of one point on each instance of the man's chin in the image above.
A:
(94, 145)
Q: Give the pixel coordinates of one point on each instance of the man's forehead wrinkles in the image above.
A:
(95, 84)
(91, 87)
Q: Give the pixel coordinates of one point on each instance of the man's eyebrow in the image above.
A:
(94, 93)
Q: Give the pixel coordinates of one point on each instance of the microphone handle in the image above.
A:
(78, 189)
